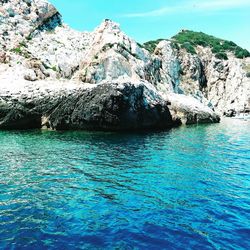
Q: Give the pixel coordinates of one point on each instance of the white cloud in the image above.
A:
(193, 6)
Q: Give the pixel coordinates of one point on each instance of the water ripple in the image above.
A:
(187, 188)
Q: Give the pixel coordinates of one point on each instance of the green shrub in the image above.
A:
(216, 49)
(221, 55)
(248, 74)
(229, 46)
(196, 38)
(11, 12)
(107, 46)
(231, 43)
(190, 39)
(175, 45)
(241, 53)
(22, 44)
(202, 43)
(246, 67)
(218, 46)
(29, 38)
(140, 45)
(151, 45)
(17, 50)
(189, 48)
(26, 54)
(54, 68)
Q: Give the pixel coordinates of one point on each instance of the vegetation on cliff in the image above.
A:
(151, 45)
(189, 40)
(246, 67)
(219, 46)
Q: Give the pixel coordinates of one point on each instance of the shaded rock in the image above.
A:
(16, 116)
(2, 57)
(108, 106)
(111, 107)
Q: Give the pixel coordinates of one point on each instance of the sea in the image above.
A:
(183, 188)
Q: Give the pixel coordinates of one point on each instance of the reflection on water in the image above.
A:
(187, 188)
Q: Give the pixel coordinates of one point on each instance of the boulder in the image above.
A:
(189, 110)
(108, 106)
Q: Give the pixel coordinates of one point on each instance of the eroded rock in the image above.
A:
(52, 76)
(108, 106)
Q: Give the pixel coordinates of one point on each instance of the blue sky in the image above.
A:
(152, 19)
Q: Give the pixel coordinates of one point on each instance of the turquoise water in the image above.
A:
(187, 188)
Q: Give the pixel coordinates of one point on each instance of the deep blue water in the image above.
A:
(187, 188)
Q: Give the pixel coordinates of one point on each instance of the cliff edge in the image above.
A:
(53, 76)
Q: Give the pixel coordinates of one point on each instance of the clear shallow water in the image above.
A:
(187, 188)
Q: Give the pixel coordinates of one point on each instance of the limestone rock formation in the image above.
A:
(53, 76)
(223, 84)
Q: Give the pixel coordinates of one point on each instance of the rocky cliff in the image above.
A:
(56, 77)
(215, 71)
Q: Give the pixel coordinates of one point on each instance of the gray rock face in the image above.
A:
(223, 84)
(109, 106)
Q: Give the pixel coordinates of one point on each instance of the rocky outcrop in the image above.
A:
(55, 77)
(221, 84)
(228, 87)
(108, 106)
(112, 107)
(189, 110)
